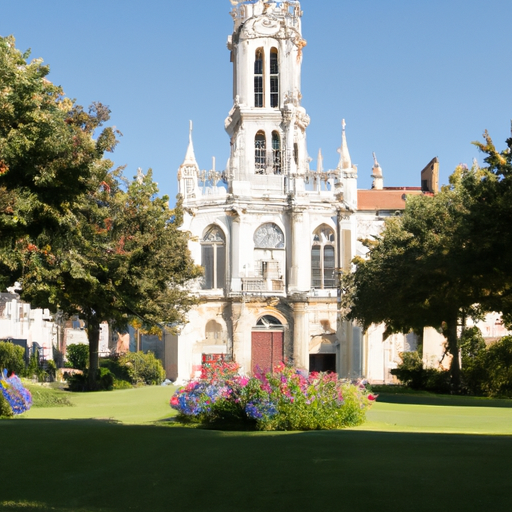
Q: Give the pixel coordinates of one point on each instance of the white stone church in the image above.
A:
(274, 235)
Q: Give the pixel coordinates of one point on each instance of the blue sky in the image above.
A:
(414, 79)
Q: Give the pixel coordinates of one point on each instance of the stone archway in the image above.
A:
(267, 344)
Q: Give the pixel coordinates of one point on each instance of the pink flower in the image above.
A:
(174, 400)
(372, 397)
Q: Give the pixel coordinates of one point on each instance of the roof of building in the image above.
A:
(389, 198)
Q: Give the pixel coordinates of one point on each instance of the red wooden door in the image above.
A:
(267, 350)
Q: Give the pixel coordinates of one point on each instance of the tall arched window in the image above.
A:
(323, 258)
(260, 153)
(274, 78)
(213, 258)
(258, 78)
(276, 153)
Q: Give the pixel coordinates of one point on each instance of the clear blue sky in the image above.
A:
(414, 79)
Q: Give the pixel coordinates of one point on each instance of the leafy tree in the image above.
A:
(416, 274)
(79, 237)
(489, 247)
(48, 158)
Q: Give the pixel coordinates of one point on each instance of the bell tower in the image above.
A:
(267, 124)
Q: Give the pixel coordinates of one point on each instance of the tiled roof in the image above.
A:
(385, 199)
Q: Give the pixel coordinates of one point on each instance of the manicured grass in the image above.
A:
(98, 465)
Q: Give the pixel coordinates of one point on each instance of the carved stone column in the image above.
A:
(300, 254)
(300, 335)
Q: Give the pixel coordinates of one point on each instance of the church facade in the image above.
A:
(273, 235)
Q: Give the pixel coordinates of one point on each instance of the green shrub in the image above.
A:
(5, 408)
(12, 358)
(489, 372)
(121, 384)
(113, 363)
(80, 381)
(105, 379)
(143, 368)
(410, 373)
(78, 356)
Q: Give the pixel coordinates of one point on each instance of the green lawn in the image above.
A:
(407, 457)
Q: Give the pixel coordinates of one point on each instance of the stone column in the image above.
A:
(234, 252)
(300, 271)
(300, 335)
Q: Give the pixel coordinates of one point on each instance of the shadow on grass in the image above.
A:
(450, 400)
(92, 465)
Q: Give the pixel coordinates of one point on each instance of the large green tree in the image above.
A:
(78, 236)
(48, 157)
(416, 273)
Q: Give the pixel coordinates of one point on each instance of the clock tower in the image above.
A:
(267, 124)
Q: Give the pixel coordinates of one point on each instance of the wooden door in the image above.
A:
(267, 350)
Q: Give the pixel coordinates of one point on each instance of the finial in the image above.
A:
(320, 160)
(345, 161)
(343, 124)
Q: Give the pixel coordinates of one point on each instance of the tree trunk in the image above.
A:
(93, 333)
(450, 333)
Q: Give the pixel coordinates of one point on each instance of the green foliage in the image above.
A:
(489, 372)
(410, 372)
(5, 408)
(80, 237)
(143, 368)
(471, 344)
(78, 356)
(105, 379)
(12, 358)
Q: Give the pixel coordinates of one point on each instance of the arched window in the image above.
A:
(323, 258)
(274, 78)
(213, 332)
(260, 153)
(213, 258)
(276, 153)
(258, 78)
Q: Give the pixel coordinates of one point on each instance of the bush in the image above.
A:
(78, 356)
(489, 372)
(80, 381)
(5, 408)
(12, 358)
(285, 399)
(410, 373)
(143, 368)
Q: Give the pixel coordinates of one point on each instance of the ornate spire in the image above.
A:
(378, 179)
(345, 161)
(190, 157)
(320, 162)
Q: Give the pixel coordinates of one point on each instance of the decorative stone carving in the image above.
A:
(269, 236)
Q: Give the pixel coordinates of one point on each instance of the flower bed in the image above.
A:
(285, 399)
(15, 394)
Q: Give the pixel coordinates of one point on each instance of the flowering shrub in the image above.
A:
(13, 392)
(285, 399)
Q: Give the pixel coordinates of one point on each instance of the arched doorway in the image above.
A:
(267, 347)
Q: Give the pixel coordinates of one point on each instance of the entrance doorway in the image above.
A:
(267, 347)
(322, 363)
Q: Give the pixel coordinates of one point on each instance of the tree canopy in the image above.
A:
(448, 257)
(79, 236)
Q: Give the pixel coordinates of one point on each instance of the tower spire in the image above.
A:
(345, 161)
(378, 179)
(190, 157)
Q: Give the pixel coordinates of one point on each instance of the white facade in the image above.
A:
(272, 234)
(20, 322)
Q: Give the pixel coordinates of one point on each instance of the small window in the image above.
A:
(274, 78)
(258, 78)
(260, 153)
(276, 153)
(296, 153)
(323, 258)
(213, 258)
